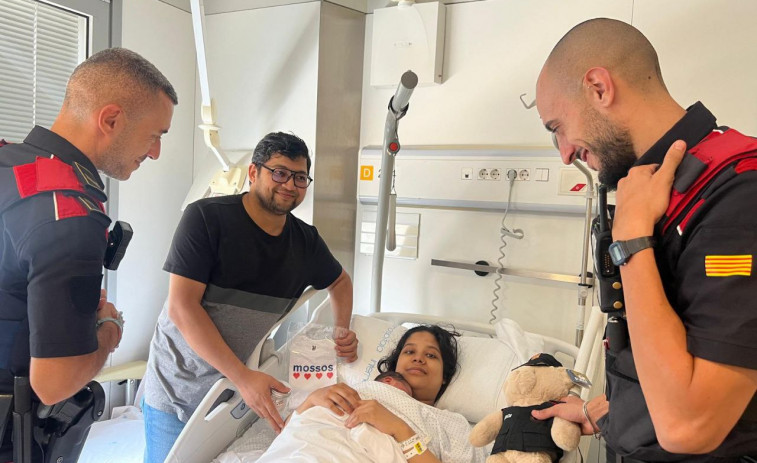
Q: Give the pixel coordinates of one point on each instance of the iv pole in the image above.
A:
(398, 106)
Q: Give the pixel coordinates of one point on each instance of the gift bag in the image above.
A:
(312, 361)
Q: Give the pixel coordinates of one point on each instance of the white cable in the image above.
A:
(504, 232)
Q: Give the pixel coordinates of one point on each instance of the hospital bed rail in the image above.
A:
(223, 416)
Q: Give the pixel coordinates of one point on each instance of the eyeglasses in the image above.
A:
(281, 175)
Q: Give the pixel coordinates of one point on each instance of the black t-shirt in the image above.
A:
(217, 243)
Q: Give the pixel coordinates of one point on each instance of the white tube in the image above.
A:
(391, 233)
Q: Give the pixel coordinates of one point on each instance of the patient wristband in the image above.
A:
(597, 433)
(413, 446)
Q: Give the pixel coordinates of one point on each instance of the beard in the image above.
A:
(270, 204)
(113, 161)
(613, 148)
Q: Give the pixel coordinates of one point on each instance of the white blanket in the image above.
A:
(319, 436)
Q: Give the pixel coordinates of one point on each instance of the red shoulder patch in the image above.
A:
(68, 206)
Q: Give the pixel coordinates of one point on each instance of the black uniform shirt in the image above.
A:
(50, 269)
(718, 312)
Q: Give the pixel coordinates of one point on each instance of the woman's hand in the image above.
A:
(375, 414)
(255, 388)
(338, 398)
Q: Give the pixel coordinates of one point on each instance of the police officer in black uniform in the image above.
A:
(682, 366)
(56, 327)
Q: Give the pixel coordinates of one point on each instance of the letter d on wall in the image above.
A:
(366, 172)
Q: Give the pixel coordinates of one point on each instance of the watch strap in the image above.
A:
(639, 244)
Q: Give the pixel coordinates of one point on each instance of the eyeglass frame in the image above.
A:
(292, 175)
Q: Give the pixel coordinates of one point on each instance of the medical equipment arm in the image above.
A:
(585, 282)
(398, 106)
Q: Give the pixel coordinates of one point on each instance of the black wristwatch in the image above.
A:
(621, 251)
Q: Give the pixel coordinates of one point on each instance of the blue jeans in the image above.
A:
(161, 431)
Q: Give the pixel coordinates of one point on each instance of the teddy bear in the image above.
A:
(519, 438)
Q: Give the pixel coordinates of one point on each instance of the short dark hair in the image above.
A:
(285, 144)
(115, 75)
(447, 346)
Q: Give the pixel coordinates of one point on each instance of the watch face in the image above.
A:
(616, 254)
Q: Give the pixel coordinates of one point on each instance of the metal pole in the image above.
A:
(398, 106)
(583, 285)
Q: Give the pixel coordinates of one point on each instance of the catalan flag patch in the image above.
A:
(728, 265)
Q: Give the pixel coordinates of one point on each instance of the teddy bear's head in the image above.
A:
(539, 380)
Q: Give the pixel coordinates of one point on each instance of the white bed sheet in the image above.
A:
(121, 439)
(318, 435)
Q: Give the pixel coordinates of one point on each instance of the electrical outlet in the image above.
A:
(524, 174)
(483, 174)
(494, 174)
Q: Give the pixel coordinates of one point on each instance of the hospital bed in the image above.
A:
(487, 354)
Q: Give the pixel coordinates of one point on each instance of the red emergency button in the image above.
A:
(394, 146)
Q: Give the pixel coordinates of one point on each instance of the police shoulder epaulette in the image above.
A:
(75, 190)
(78, 205)
(52, 174)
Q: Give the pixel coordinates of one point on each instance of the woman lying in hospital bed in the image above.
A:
(379, 422)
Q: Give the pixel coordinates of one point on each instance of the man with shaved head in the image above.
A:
(56, 327)
(681, 383)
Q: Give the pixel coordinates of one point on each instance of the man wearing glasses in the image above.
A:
(237, 264)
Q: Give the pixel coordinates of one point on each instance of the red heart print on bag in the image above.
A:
(308, 375)
(319, 375)
(296, 375)
(330, 374)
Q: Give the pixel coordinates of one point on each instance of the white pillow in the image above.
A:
(476, 389)
(376, 339)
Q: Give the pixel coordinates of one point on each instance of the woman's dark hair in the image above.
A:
(447, 346)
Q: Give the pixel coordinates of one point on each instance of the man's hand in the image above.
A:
(644, 194)
(255, 388)
(106, 309)
(572, 410)
(346, 344)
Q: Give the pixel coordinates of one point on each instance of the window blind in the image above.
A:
(40, 45)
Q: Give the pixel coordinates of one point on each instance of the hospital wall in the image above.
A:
(493, 53)
(294, 68)
(151, 199)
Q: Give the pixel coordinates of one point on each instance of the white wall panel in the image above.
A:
(263, 73)
(707, 52)
(494, 52)
(151, 198)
